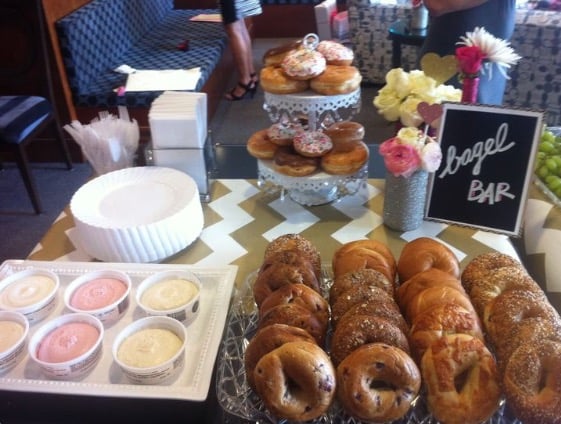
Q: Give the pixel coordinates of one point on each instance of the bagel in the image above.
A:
(365, 276)
(424, 253)
(297, 316)
(461, 380)
(479, 267)
(432, 277)
(360, 254)
(377, 383)
(296, 381)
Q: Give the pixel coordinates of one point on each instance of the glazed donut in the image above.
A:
(303, 64)
(436, 296)
(296, 381)
(532, 382)
(312, 144)
(274, 80)
(361, 254)
(358, 294)
(267, 339)
(289, 268)
(377, 383)
(478, 268)
(461, 380)
(364, 276)
(260, 146)
(356, 330)
(346, 161)
(275, 55)
(283, 133)
(297, 316)
(345, 134)
(500, 280)
(298, 294)
(336, 80)
(335, 53)
(424, 253)
(512, 307)
(288, 162)
(297, 243)
(434, 323)
(432, 277)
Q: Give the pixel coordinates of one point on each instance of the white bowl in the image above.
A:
(175, 294)
(14, 328)
(31, 292)
(140, 214)
(145, 367)
(74, 364)
(108, 302)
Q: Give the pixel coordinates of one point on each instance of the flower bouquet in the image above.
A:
(477, 52)
(409, 157)
(398, 99)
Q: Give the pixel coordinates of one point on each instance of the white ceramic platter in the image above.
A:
(204, 335)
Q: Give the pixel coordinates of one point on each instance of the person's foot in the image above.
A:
(241, 90)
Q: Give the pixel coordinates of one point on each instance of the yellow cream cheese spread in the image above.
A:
(26, 291)
(169, 294)
(10, 333)
(148, 348)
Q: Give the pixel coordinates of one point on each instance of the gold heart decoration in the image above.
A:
(440, 68)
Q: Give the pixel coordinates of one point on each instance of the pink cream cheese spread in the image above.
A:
(67, 342)
(97, 293)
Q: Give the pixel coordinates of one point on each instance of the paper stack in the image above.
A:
(178, 126)
(178, 120)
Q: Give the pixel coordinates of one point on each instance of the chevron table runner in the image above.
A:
(241, 220)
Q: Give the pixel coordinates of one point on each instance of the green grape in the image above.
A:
(546, 147)
(551, 165)
(543, 172)
(553, 182)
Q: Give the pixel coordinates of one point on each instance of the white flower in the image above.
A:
(408, 112)
(431, 156)
(495, 49)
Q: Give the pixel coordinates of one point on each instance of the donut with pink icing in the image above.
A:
(303, 64)
(312, 143)
(335, 53)
(282, 133)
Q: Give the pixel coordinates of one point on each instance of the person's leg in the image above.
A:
(249, 56)
(243, 60)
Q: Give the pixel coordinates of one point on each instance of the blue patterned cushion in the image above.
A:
(20, 115)
(125, 35)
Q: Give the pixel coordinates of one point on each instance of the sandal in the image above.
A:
(249, 90)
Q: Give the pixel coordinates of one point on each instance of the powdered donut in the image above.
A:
(335, 53)
(303, 64)
(312, 144)
(377, 383)
(282, 133)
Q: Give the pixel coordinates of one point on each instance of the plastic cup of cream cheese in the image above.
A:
(67, 347)
(150, 350)
(103, 294)
(31, 292)
(14, 328)
(175, 294)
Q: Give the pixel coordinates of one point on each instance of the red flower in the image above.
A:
(400, 159)
(416, 3)
(469, 59)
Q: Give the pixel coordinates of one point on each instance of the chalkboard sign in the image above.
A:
(487, 165)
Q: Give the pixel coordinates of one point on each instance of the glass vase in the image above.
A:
(404, 201)
(470, 86)
(419, 18)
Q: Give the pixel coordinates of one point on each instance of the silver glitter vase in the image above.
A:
(404, 201)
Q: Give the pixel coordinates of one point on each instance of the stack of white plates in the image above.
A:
(178, 120)
(141, 214)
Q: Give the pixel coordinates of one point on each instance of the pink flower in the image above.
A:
(400, 159)
(416, 3)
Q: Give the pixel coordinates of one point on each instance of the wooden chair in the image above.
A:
(27, 104)
(22, 118)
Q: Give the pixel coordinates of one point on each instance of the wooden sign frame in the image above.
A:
(487, 166)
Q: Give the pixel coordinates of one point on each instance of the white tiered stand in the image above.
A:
(320, 112)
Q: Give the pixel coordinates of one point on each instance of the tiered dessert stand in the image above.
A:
(320, 112)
